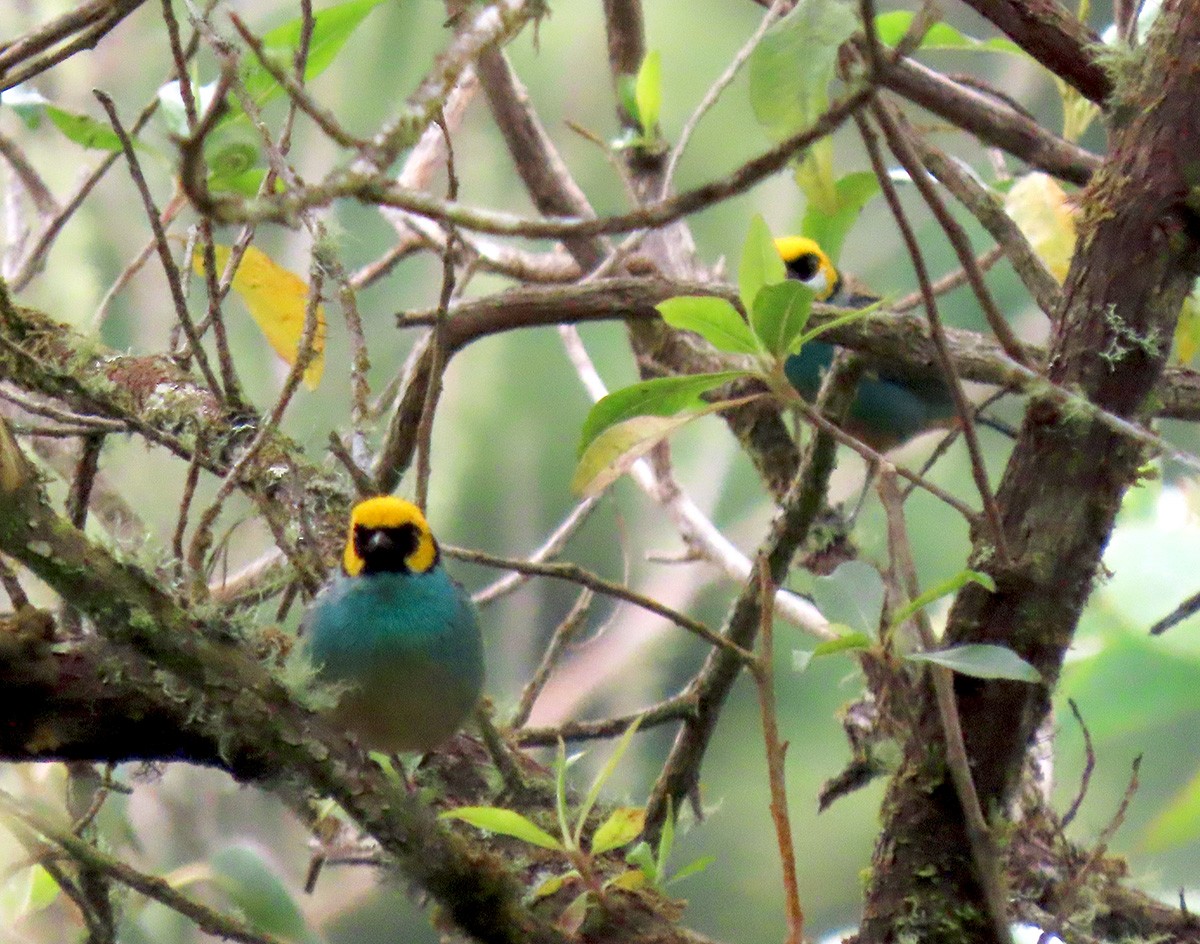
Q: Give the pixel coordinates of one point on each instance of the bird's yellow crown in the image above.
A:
(390, 534)
(807, 262)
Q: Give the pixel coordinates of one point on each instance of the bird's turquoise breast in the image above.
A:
(887, 410)
(409, 648)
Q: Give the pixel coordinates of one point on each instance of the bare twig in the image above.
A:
(936, 330)
(573, 573)
(564, 635)
(983, 846)
(763, 671)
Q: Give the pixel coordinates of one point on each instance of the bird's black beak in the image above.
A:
(379, 542)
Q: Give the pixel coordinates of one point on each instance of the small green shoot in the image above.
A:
(641, 98)
(943, 589)
(623, 825)
(652, 866)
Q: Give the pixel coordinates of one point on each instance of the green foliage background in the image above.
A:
(503, 457)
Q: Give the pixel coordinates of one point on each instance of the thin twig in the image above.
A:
(174, 281)
(936, 331)
(554, 543)
(564, 634)
(983, 847)
(1089, 766)
(763, 671)
(676, 708)
(573, 573)
(716, 89)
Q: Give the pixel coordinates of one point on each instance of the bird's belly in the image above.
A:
(410, 706)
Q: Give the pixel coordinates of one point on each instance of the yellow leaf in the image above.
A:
(1187, 332)
(1046, 215)
(276, 299)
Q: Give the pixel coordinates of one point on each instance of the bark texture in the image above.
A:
(1134, 265)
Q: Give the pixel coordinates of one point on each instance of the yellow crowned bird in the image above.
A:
(398, 631)
(892, 405)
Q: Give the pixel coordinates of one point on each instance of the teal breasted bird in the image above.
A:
(891, 406)
(398, 630)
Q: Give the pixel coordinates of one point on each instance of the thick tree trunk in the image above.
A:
(1134, 265)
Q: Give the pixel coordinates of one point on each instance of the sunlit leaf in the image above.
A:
(790, 72)
(551, 885)
(844, 643)
(761, 263)
(630, 880)
(852, 595)
(792, 67)
(714, 319)
(331, 28)
(780, 314)
(623, 825)
(28, 103)
(277, 300)
(1187, 331)
(981, 660)
(641, 856)
(245, 876)
(603, 775)
(692, 868)
(829, 229)
(660, 396)
(1043, 212)
(944, 589)
(496, 819)
(834, 324)
(891, 27)
(85, 131)
(647, 92)
(611, 454)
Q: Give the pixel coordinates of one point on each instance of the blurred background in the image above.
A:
(504, 451)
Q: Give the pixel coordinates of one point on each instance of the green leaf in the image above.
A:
(496, 819)
(981, 660)
(852, 191)
(83, 130)
(623, 825)
(692, 868)
(647, 92)
(661, 396)
(627, 94)
(28, 103)
(611, 454)
(780, 314)
(852, 595)
(891, 27)
(842, 644)
(714, 319)
(792, 67)
(944, 589)
(1178, 823)
(761, 263)
(835, 323)
(603, 775)
(641, 856)
(331, 28)
(551, 885)
(253, 886)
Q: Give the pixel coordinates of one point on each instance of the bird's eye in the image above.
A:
(806, 266)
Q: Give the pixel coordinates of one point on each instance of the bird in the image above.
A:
(892, 405)
(397, 631)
